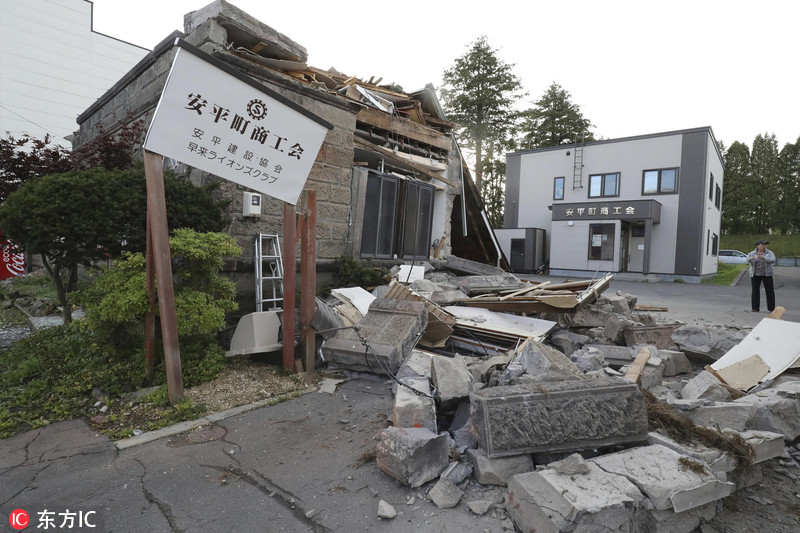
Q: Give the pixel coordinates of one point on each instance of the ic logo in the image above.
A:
(18, 519)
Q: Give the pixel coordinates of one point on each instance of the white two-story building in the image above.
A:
(648, 205)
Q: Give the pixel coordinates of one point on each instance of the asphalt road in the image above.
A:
(289, 467)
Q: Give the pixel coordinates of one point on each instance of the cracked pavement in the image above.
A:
(287, 467)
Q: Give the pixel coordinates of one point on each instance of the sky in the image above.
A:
(633, 67)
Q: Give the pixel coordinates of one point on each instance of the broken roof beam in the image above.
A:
(403, 163)
(404, 127)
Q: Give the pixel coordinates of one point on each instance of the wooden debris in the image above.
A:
(651, 308)
(777, 313)
(638, 365)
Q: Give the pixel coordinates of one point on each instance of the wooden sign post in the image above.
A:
(308, 279)
(160, 261)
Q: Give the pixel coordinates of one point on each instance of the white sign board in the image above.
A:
(213, 120)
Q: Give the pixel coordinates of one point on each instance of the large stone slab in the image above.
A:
(705, 386)
(549, 501)
(614, 356)
(498, 471)
(465, 266)
(413, 456)
(670, 480)
(659, 336)
(561, 416)
(412, 410)
(704, 343)
(545, 363)
(390, 328)
(452, 380)
(716, 459)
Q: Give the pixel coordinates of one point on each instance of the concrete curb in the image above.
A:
(741, 273)
(180, 427)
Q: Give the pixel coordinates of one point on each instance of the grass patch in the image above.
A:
(726, 273)
(50, 376)
(781, 245)
(38, 285)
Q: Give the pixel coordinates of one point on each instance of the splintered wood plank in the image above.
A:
(638, 365)
(777, 313)
(653, 308)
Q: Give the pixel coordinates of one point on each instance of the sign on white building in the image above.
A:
(218, 120)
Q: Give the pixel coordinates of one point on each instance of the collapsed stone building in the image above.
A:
(389, 151)
(592, 414)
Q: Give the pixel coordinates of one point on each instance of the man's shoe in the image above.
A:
(754, 310)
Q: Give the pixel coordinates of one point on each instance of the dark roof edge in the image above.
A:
(621, 139)
(147, 61)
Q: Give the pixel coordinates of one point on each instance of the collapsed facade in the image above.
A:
(389, 177)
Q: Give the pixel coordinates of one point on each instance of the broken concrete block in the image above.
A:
(548, 501)
(465, 266)
(461, 428)
(452, 380)
(479, 507)
(592, 316)
(498, 471)
(412, 456)
(445, 494)
(477, 285)
(567, 341)
(613, 355)
(705, 386)
(615, 327)
(558, 416)
(481, 370)
(675, 362)
(385, 510)
(390, 328)
(457, 472)
(619, 303)
(418, 364)
(685, 522)
(545, 363)
(236, 20)
(730, 415)
(766, 444)
(659, 336)
(716, 459)
(705, 343)
(587, 360)
(775, 410)
(670, 480)
(412, 410)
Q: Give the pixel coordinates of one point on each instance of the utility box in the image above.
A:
(251, 204)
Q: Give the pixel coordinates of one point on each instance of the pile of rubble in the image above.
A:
(595, 416)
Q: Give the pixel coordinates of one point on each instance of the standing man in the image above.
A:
(761, 261)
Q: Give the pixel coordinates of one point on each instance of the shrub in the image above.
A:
(350, 272)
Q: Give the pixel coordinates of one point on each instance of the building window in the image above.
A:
(398, 215)
(661, 181)
(711, 188)
(714, 244)
(601, 242)
(603, 185)
(558, 188)
(718, 198)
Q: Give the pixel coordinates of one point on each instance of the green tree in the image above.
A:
(789, 186)
(479, 93)
(81, 217)
(765, 170)
(737, 200)
(554, 120)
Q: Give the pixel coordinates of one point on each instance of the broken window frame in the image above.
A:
(394, 224)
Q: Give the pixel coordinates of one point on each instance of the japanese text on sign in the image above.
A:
(213, 120)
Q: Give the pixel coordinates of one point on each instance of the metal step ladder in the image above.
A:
(269, 272)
